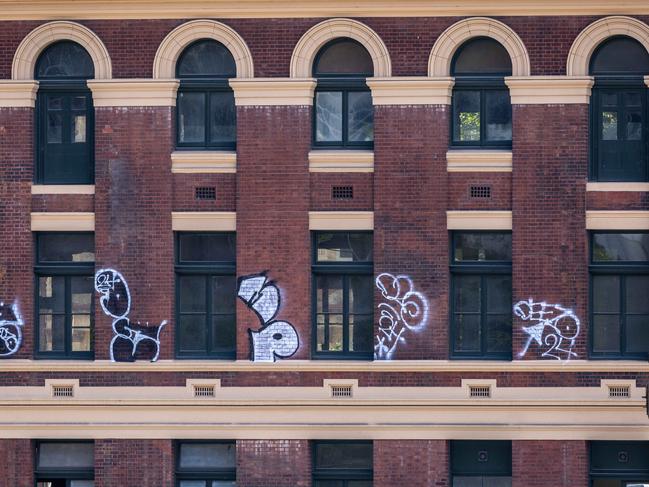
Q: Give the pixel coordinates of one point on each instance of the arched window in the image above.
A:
(482, 110)
(344, 114)
(206, 111)
(65, 128)
(619, 111)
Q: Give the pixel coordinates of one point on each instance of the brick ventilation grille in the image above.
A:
(619, 391)
(341, 391)
(205, 193)
(204, 391)
(480, 191)
(479, 391)
(342, 192)
(62, 391)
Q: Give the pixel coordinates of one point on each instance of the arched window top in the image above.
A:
(620, 55)
(64, 60)
(481, 56)
(206, 58)
(343, 57)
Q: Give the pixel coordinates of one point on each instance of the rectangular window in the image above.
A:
(65, 464)
(619, 463)
(342, 464)
(343, 118)
(481, 117)
(481, 463)
(65, 284)
(206, 464)
(205, 295)
(343, 295)
(619, 286)
(206, 116)
(481, 283)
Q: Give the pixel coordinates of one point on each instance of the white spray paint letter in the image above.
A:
(11, 335)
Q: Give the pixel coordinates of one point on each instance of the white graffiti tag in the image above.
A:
(556, 327)
(11, 335)
(275, 339)
(403, 309)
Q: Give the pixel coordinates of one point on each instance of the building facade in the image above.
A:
(334, 244)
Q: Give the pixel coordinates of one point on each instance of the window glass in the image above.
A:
(206, 58)
(329, 116)
(65, 59)
(207, 456)
(360, 115)
(620, 55)
(466, 108)
(66, 247)
(206, 247)
(223, 127)
(191, 117)
(619, 247)
(344, 247)
(482, 55)
(343, 57)
(65, 455)
(498, 115)
(481, 458)
(356, 455)
(481, 247)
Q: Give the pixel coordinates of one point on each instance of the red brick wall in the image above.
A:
(618, 200)
(16, 463)
(549, 464)
(63, 202)
(322, 183)
(410, 196)
(273, 463)
(459, 191)
(184, 186)
(550, 168)
(145, 463)
(416, 463)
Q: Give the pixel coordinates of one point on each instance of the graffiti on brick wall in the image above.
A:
(275, 339)
(554, 328)
(116, 302)
(402, 310)
(11, 334)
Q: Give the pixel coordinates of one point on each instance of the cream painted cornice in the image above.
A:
(62, 221)
(341, 220)
(635, 187)
(411, 90)
(273, 91)
(133, 92)
(549, 90)
(191, 162)
(63, 189)
(185, 9)
(479, 220)
(479, 161)
(18, 94)
(341, 161)
(617, 220)
(213, 221)
(646, 80)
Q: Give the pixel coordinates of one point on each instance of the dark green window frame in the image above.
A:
(208, 270)
(623, 270)
(480, 459)
(484, 270)
(345, 270)
(62, 476)
(66, 270)
(626, 462)
(207, 475)
(345, 476)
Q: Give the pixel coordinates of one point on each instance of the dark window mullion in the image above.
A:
(345, 313)
(208, 117)
(208, 313)
(345, 117)
(623, 315)
(67, 303)
(483, 315)
(481, 117)
(325, 313)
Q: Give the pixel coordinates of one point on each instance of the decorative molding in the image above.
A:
(63, 189)
(617, 220)
(195, 162)
(341, 220)
(18, 94)
(411, 90)
(439, 62)
(459, 160)
(62, 221)
(479, 220)
(317, 36)
(32, 45)
(341, 161)
(134, 92)
(646, 80)
(211, 221)
(273, 91)
(549, 90)
(164, 64)
(587, 41)
(613, 187)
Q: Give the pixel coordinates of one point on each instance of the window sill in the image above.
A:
(479, 220)
(482, 160)
(192, 162)
(341, 220)
(617, 186)
(341, 161)
(63, 189)
(208, 221)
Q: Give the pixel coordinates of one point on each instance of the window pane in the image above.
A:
(499, 115)
(637, 333)
(606, 333)
(192, 294)
(483, 247)
(81, 333)
(329, 116)
(637, 294)
(51, 333)
(193, 483)
(344, 247)
(66, 247)
(66, 455)
(191, 117)
(499, 334)
(482, 55)
(467, 293)
(360, 333)
(206, 247)
(224, 330)
(82, 483)
(343, 455)
(606, 294)
(54, 128)
(343, 56)
(51, 293)
(360, 116)
(621, 247)
(78, 129)
(207, 455)
(466, 107)
(82, 289)
(192, 333)
(65, 59)
(467, 481)
(223, 118)
(620, 55)
(206, 58)
(361, 292)
(328, 483)
(467, 333)
(499, 294)
(359, 483)
(498, 482)
(609, 125)
(329, 294)
(224, 294)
